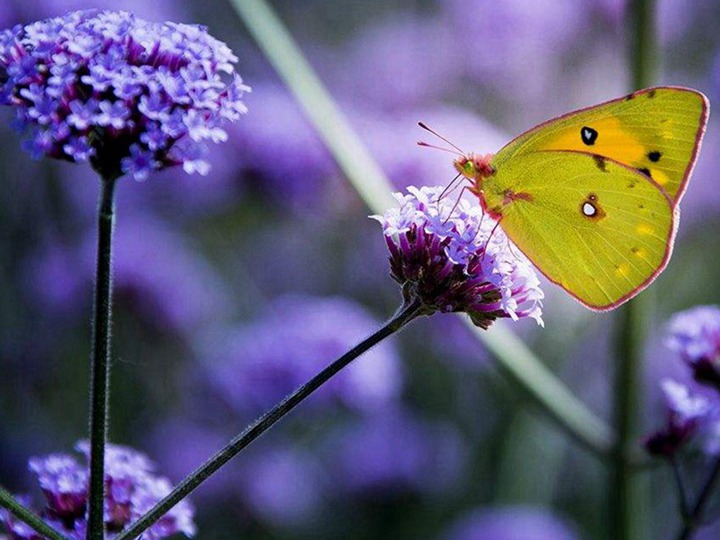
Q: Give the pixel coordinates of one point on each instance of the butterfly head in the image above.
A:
(476, 168)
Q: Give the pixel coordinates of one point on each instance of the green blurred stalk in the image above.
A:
(627, 498)
(282, 52)
(524, 368)
(34, 521)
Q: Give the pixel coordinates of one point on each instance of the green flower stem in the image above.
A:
(283, 53)
(627, 496)
(644, 55)
(681, 490)
(369, 181)
(406, 314)
(695, 516)
(100, 366)
(28, 517)
(538, 382)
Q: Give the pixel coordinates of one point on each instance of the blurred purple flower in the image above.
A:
(695, 335)
(511, 523)
(132, 489)
(685, 411)
(280, 150)
(281, 485)
(99, 85)
(155, 273)
(398, 64)
(516, 47)
(455, 260)
(64, 484)
(260, 362)
(394, 453)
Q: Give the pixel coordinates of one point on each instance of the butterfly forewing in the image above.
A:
(656, 131)
(595, 227)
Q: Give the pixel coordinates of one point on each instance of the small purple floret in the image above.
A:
(455, 260)
(685, 412)
(132, 488)
(695, 335)
(113, 81)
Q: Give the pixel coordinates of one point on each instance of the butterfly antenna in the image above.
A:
(426, 128)
(435, 147)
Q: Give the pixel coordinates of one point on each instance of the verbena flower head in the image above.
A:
(128, 95)
(685, 411)
(695, 335)
(132, 488)
(454, 259)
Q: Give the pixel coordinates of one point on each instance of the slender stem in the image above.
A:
(625, 493)
(644, 55)
(694, 518)
(100, 363)
(520, 365)
(262, 424)
(680, 486)
(28, 517)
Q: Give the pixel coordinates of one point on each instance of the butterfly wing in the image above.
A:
(656, 131)
(599, 229)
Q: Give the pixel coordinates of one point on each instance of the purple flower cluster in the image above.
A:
(455, 259)
(685, 411)
(132, 489)
(692, 411)
(130, 96)
(695, 335)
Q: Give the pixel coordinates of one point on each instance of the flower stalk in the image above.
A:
(408, 312)
(625, 495)
(100, 361)
(695, 515)
(30, 518)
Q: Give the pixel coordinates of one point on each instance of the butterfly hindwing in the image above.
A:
(599, 229)
(656, 131)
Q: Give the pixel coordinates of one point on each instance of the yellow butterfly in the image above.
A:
(591, 197)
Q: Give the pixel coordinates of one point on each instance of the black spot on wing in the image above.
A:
(654, 156)
(588, 135)
(651, 94)
(645, 171)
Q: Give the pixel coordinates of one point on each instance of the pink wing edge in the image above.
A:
(673, 203)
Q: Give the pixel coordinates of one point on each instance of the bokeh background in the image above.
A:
(233, 288)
